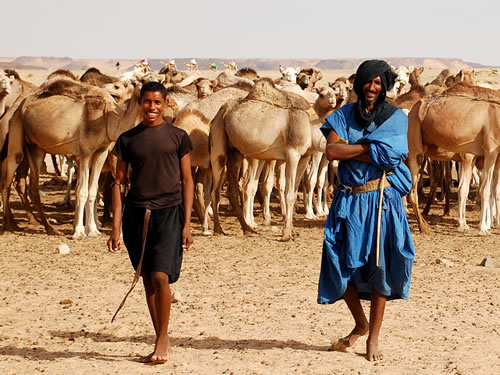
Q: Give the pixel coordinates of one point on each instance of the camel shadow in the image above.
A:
(203, 343)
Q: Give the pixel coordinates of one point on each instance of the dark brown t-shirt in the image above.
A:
(154, 155)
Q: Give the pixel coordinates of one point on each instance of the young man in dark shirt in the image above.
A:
(159, 203)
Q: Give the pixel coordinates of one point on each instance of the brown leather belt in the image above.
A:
(371, 185)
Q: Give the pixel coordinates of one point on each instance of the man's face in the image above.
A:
(371, 90)
(152, 104)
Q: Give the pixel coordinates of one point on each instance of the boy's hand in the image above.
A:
(114, 243)
(187, 238)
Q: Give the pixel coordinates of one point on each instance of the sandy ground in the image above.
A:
(247, 305)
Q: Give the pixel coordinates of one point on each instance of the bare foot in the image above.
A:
(372, 351)
(146, 359)
(162, 351)
(348, 341)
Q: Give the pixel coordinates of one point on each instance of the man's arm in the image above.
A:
(188, 198)
(117, 197)
(337, 150)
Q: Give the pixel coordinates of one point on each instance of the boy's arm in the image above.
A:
(117, 198)
(188, 198)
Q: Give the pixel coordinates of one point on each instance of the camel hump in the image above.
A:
(474, 92)
(64, 86)
(265, 91)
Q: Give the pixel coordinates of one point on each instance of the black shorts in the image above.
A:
(163, 252)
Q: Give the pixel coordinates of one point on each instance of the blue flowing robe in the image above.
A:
(349, 246)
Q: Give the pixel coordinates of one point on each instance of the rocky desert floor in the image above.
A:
(244, 304)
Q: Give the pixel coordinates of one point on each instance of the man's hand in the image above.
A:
(187, 238)
(114, 243)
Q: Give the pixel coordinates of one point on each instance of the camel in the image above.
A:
(66, 117)
(247, 73)
(18, 91)
(228, 78)
(192, 65)
(314, 177)
(199, 86)
(5, 90)
(62, 73)
(212, 66)
(462, 120)
(289, 74)
(93, 76)
(308, 77)
(268, 124)
(195, 119)
(230, 65)
(402, 80)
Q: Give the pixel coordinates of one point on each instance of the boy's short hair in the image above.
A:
(153, 87)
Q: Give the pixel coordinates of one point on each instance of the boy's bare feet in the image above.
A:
(146, 359)
(372, 351)
(162, 351)
(348, 341)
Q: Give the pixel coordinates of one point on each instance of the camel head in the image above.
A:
(308, 77)
(342, 88)
(205, 87)
(120, 91)
(5, 83)
(327, 98)
(289, 74)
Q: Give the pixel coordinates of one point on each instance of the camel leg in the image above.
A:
(234, 162)
(485, 192)
(311, 180)
(267, 187)
(463, 189)
(447, 182)
(413, 196)
(198, 192)
(98, 159)
(82, 186)
(318, 203)
(435, 175)
(15, 154)
(292, 161)
(22, 189)
(35, 159)
(70, 174)
(249, 188)
(280, 166)
(203, 187)
(496, 193)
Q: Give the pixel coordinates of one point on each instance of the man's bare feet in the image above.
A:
(348, 341)
(372, 351)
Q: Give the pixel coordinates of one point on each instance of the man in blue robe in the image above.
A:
(369, 138)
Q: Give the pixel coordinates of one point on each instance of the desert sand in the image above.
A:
(245, 304)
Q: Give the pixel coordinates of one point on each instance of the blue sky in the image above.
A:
(252, 29)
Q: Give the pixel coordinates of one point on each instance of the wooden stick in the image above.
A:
(380, 200)
(147, 214)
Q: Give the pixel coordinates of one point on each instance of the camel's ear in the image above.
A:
(297, 70)
(214, 82)
(281, 69)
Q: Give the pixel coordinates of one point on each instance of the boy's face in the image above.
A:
(152, 104)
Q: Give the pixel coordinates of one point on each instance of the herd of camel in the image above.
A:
(245, 129)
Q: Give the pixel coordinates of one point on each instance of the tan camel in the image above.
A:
(230, 65)
(71, 118)
(93, 76)
(247, 73)
(195, 119)
(308, 77)
(268, 124)
(462, 120)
